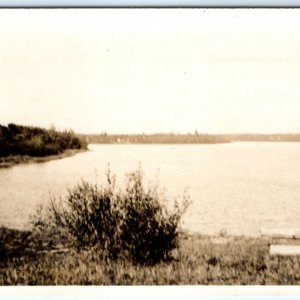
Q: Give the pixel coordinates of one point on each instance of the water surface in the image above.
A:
(238, 187)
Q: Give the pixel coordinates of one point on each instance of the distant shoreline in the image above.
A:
(13, 160)
(177, 138)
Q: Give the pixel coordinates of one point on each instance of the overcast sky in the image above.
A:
(128, 71)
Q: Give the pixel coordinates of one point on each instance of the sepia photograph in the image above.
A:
(151, 147)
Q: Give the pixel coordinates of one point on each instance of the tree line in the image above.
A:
(156, 138)
(35, 141)
(188, 138)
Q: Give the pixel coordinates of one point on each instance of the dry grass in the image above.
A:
(199, 260)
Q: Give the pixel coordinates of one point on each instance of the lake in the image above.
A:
(237, 187)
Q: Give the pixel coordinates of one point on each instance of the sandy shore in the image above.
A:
(12, 160)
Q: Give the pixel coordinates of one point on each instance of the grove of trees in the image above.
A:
(35, 141)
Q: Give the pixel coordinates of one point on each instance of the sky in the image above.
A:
(151, 70)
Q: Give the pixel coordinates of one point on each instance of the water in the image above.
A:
(238, 187)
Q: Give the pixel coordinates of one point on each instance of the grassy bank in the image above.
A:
(198, 260)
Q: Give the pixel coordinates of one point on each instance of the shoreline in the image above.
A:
(13, 160)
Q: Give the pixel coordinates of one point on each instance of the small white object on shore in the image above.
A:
(284, 249)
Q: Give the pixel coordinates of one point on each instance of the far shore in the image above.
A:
(12, 160)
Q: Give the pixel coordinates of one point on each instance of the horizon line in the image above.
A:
(192, 133)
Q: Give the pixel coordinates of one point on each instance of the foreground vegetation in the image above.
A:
(198, 260)
(134, 224)
(18, 144)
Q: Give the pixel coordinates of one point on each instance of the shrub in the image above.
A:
(134, 223)
(149, 230)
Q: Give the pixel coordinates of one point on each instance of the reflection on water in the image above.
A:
(240, 187)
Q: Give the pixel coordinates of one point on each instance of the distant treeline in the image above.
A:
(277, 137)
(189, 138)
(158, 138)
(35, 141)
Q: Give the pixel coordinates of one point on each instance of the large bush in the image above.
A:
(134, 223)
